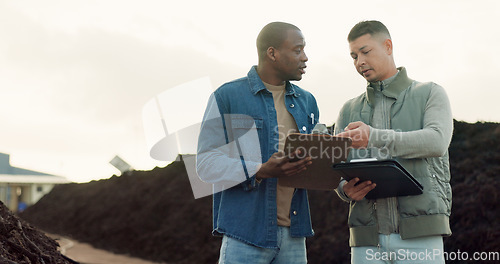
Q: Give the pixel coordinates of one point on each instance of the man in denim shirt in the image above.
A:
(240, 151)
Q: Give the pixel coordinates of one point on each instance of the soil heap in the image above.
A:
(153, 215)
(20, 243)
(147, 214)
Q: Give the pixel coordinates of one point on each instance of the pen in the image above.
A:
(312, 118)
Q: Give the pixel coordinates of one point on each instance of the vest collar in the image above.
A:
(399, 84)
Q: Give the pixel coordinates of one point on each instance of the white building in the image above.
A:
(21, 187)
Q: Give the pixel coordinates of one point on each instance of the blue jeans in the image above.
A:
(290, 250)
(393, 249)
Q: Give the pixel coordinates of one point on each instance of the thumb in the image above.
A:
(344, 134)
(353, 125)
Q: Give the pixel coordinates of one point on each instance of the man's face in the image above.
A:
(372, 57)
(290, 57)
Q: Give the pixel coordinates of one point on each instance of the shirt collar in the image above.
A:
(256, 84)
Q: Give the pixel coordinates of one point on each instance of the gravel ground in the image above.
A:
(84, 253)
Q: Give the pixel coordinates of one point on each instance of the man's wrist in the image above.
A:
(258, 176)
(379, 137)
(340, 191)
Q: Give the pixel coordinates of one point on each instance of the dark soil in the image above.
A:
(153, 215)
(148, 214)
(20, 243)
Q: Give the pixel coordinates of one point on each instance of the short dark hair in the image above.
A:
(371, 27)
(272, 35)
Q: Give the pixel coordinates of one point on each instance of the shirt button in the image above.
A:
(294, 212)
(304, 128)
(292, 105)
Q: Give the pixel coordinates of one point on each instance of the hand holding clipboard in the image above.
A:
(390, 177)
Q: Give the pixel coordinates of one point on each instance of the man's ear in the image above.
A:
(271, 53)
(388, 46)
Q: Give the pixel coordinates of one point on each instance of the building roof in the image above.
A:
(10, 174)
(41, 179)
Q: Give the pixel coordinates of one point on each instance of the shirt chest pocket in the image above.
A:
(244, 122)
(243, 131)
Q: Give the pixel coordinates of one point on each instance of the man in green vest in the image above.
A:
(408, 121)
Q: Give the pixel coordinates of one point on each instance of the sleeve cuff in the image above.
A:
(379, 137)
(251, 183)
(340, 191)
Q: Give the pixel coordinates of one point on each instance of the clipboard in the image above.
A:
(391, 177)
(325, 150)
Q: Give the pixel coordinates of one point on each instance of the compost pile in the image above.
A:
(20, 243)
(147, 214)
(153, 215)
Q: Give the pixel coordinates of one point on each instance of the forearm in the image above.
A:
(427, 142)
(430, 141)
(217, 168)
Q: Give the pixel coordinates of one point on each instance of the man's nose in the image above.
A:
(360, 61)
(304, 57)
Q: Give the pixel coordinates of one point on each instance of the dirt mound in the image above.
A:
(21, 243)
(152, 214)
(475, 170)
(146, 214)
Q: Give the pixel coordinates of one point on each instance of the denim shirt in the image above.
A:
(239, 133)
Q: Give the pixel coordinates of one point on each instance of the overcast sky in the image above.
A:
(75, 75)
